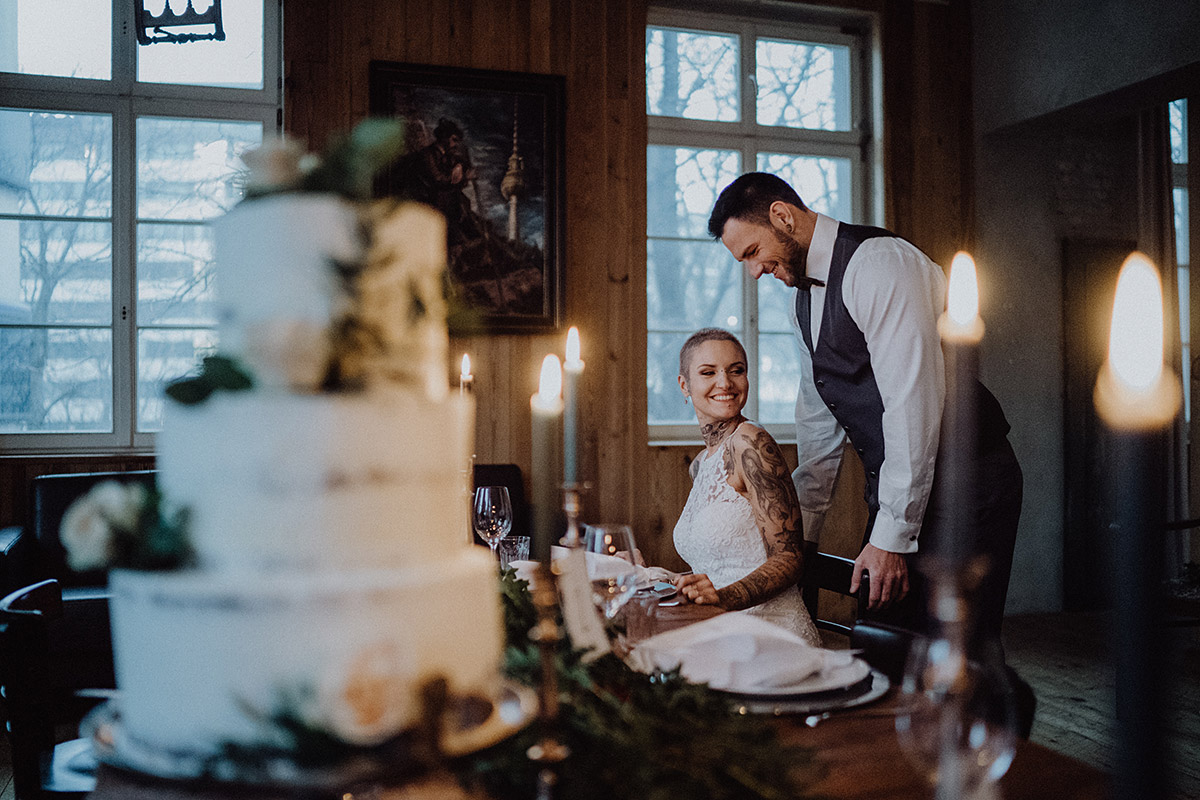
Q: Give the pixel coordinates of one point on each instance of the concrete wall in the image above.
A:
(1054, 86)
(1034, 57)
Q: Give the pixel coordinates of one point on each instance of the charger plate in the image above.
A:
(872, 687)
(469, 724)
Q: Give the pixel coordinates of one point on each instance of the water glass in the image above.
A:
(610, 554)
(513, 548)
(491, 514)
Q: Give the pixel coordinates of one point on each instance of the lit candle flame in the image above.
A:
(573, 347)
(1135, 390)
(466, 366)
(550, 382)
(963, 302)
(961, 323)
(1135, 342)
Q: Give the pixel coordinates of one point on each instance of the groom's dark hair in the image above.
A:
(749, 198)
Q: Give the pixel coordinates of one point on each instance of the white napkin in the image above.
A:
(646, 575)
(736, 652)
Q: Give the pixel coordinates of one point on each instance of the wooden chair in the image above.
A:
(823, 571)
(55, 665)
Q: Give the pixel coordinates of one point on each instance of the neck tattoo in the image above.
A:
(714, 433)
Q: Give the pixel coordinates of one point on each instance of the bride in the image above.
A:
(740, 530)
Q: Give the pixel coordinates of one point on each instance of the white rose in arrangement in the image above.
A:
(371, 697)
(278, 164)
(90, 524)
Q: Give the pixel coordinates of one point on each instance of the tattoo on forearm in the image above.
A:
(778, 573)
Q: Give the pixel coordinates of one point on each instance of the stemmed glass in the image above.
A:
(610, 556)
(491, 514)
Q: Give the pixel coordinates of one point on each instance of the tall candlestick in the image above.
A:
(465, 378)
(961, 331)
(572, 369)
(1137, 398)
(547, 408)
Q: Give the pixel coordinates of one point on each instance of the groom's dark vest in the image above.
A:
(843, 374)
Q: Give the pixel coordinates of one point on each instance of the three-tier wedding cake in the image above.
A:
(333, 573)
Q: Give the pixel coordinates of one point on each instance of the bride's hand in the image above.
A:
(697, 589)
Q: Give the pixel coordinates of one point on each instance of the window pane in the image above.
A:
(664, 400)
(190, 169)
(803, 85)
(55, 164)
(779, 377)
(775, 303)
(55, 272)
(164, 356)
(692, 75)
(236, 62)
(1177, 113)
(65, 38)
(175, 278)
(681, 186)
(55, 380)
(823, 183)
(1183, 254)
(691, 285)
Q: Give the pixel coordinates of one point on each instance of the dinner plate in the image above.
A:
(840, 671)
(660, 589)
(868, 690)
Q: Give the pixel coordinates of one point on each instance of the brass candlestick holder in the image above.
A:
(549, 752)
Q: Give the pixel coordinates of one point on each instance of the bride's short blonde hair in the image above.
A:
(700, 337)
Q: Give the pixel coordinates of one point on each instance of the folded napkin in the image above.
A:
(646, 575)
(736, 652)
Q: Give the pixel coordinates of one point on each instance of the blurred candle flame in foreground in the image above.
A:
(573, 348)
(466, 366)
(1135, 341)
(963, 304)
(1134, 389)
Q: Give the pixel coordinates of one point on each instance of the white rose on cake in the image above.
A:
(289, 353)
(91, 524)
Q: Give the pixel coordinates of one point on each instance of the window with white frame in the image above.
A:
(727, 95)
(1177, 114)
(114, 158)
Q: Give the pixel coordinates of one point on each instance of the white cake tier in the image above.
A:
(207, 660)
(282, 481)
(275, 262)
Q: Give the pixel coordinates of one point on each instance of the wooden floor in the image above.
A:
(1064, 658)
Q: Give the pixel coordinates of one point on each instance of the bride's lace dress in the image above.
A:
(716, 535)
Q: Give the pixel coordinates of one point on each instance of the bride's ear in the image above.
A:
(683, 386)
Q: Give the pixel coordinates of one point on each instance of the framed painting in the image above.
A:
(485, 148)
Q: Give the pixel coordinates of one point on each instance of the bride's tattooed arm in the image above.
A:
(757, 469)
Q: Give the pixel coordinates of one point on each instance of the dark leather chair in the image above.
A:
(55, 665)
(830, 573)
(35, 553)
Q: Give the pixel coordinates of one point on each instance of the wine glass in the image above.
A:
(610, 554)
(957, 722)
(491, 514)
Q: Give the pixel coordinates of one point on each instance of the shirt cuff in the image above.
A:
(894, 535)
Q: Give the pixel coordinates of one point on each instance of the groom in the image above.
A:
(865, 315)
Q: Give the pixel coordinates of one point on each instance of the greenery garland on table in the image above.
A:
(633, 735)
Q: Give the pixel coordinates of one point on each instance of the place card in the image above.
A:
(579, 613)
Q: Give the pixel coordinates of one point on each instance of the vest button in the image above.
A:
(860, 451)
(873, 474)
(833, 406)
(820, 383)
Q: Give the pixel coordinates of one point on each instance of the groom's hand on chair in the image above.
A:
(888, 572)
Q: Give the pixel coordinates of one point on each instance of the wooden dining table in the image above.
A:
(858, 750)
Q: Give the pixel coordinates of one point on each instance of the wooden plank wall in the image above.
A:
(598, 46)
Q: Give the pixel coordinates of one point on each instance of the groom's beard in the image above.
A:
(795, 257)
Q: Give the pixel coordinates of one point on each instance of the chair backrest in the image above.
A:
(51, 651)
(824, 571)
(52, 496)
